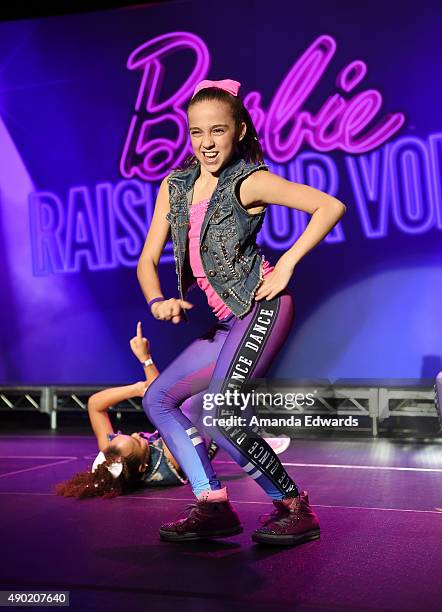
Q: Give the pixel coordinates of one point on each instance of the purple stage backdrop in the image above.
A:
(346, 98)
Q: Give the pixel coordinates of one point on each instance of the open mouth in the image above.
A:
(210, 156)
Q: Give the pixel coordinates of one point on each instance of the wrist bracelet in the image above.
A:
(147, 362)
(157, 299)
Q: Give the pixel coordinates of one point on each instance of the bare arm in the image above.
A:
(140, 347)
(262, 187)
(326, 210)
(100, 402)
(147, 269)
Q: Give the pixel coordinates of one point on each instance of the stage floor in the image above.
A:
(379, 504)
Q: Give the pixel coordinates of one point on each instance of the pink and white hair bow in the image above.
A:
(227, 84)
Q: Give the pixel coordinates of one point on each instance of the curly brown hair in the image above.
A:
(249, 147)
(101, 483)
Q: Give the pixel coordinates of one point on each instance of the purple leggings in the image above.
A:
(231, 354)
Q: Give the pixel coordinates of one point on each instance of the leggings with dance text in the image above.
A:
(231, 354)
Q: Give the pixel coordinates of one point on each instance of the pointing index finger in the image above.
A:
(139, 330)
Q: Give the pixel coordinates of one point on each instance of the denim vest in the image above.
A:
(230, 257)
(160, 471)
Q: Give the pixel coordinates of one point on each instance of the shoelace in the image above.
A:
(194, 510)
(277, 517)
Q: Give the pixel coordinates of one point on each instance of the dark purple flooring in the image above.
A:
(380, 546)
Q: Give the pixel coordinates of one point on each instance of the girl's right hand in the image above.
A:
(170, 310)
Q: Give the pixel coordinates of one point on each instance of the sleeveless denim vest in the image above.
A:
(230, 257)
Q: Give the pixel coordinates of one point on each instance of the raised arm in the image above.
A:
(100, 402)
(140, 347)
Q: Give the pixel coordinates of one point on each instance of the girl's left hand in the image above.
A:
(276, 281)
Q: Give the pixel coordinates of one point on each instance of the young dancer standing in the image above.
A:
(214, 208)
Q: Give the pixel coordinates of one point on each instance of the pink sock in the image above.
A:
(210, 495)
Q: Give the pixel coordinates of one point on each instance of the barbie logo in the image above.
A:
(157, 137)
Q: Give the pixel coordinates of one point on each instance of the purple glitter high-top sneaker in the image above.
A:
(203, 519)
(293, 521)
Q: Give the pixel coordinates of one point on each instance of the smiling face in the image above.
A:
(213, 134)
(133, 446)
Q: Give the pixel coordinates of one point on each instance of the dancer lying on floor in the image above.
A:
(128, 462)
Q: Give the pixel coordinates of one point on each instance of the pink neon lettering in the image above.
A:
(144, 154)
(340, 124)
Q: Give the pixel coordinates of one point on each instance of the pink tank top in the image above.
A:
(197, 214)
